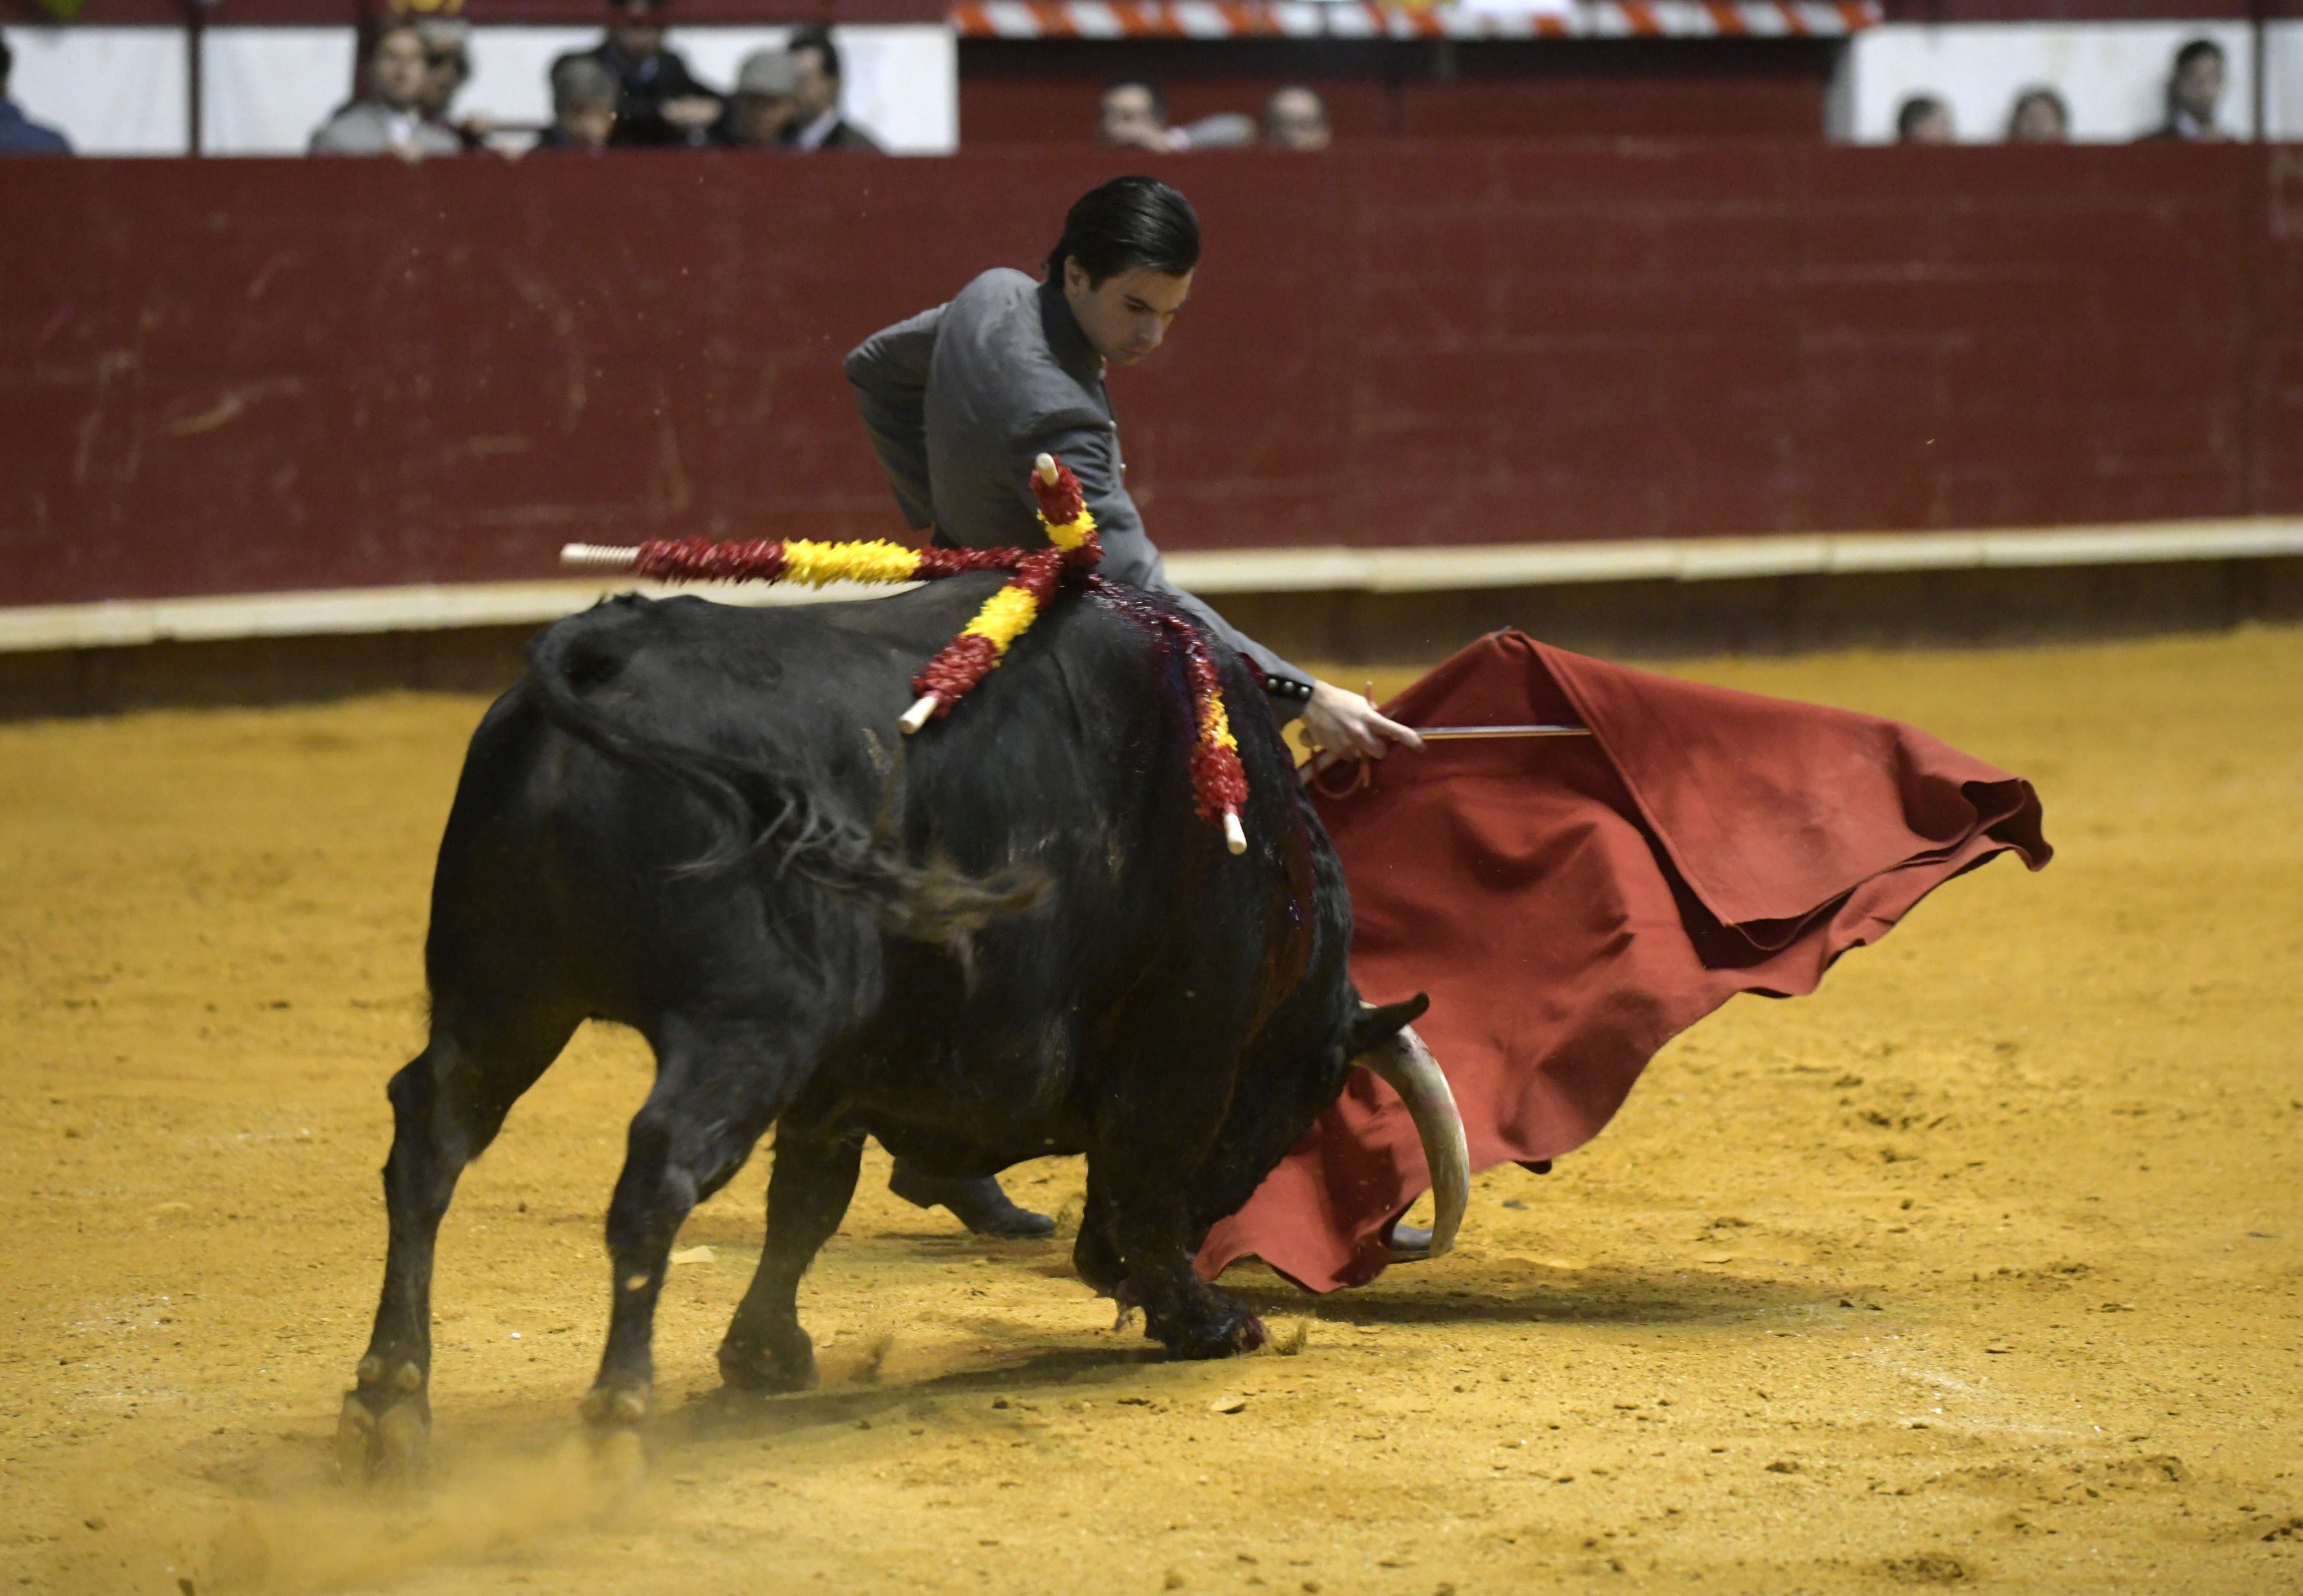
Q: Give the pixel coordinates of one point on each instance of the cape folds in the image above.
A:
(1573, 903)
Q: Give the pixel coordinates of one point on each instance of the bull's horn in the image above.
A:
(1405, 1065)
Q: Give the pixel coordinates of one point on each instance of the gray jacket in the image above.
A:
(365, 128)
(959, 398)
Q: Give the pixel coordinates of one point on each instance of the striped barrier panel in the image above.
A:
(1352, 19)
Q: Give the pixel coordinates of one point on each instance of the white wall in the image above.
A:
(2112, 75)
(268, 89)
(111, 91)
(119, 92)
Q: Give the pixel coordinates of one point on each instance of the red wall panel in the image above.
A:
(231, 376)
(1048, 91)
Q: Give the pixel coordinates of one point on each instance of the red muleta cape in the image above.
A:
(1572, 903)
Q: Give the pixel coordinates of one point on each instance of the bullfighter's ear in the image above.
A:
(1377, 1025)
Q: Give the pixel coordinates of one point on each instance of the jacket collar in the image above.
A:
(1066, 341)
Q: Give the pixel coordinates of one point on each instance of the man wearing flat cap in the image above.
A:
(761, 109)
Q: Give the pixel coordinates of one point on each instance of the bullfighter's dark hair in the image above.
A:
(1127, 223)
(818, 39)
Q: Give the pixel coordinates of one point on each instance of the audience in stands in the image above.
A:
(1134, 115)
(2194, 90)
(584, 96)
(760, 111)
(816, 122)
(19, 135)
(448, 67)
(1294, 118)
(2039, 116)
(389, 119)
(1923, 118)
(658, 100)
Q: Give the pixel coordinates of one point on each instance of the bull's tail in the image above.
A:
(769, 820)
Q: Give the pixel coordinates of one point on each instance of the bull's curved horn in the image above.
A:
(1405, 1065)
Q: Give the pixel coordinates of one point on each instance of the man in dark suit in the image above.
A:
(2194, 90)
(658, 100)
(960, 399)
(816, 122)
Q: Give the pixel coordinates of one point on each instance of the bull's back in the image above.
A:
(1072, 758)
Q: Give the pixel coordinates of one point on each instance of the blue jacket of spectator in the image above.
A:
(22, 136)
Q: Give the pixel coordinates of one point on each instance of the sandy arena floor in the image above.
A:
(1983, 1267)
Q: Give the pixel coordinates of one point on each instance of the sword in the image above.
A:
(1443, 734)
(1363, 770)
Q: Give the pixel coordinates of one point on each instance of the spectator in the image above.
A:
(1224, 129)
(816, 120)
(760, 112)
(389, 119)
(1923, 118)
(1295, 119)
(583, 107)
(2193, 91)
(2039, 117)
(448, 67)
(1134, 116)
(658, 100)
(19, 135)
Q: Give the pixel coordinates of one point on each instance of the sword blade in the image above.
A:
(1444, 734)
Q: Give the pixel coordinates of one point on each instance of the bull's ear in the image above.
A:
(1376, 1024)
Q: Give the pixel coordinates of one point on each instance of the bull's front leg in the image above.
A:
(1181, 1311)
(1139, 1206)
(808, 1194)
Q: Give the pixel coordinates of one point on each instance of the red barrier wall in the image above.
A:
(231, 376)
(1049, 91)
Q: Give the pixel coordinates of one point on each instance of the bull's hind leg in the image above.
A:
(808, 1194)
(447, 1107)
(719, 1085)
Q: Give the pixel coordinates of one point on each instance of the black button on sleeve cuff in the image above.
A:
(1283, 687)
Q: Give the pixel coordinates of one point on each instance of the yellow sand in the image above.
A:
(1980, 1267)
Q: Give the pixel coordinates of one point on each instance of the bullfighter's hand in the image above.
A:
(1342, 725)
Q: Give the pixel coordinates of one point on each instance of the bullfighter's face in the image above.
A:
(1126, 315)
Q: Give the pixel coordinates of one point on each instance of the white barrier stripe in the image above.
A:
(1300, 18)
(1199, 20)
(1092, 19)
(1011, 19)
(351, 612)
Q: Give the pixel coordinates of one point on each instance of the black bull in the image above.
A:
(1007, 938)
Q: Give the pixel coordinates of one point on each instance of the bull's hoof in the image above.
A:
(1226, 1334)
(615, 1406)
(754, 1366)
(386, 1425)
